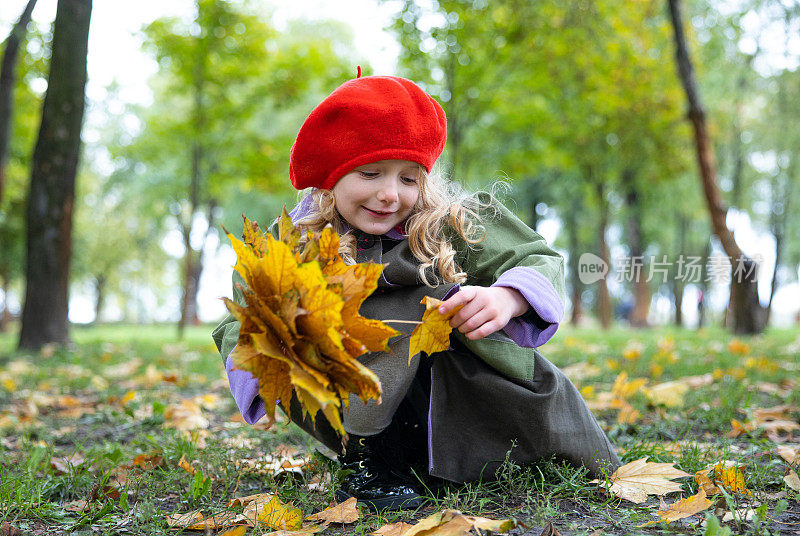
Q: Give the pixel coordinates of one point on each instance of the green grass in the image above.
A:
(109, 399)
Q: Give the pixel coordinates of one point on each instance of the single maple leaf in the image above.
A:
(346, 512)
(393, 529)
(433, 334)
(730, 476)
(300, 330)
(638, 479)
(683, 508)
(454, 523)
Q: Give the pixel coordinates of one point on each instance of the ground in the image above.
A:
(129, 427)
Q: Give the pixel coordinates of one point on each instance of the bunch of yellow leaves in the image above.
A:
(300, 327)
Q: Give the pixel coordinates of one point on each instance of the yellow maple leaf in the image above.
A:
(683, 508)
(433, 334)
(638, 479)
(624, 389)
(731, 477)
(300, 330)
(669, 394)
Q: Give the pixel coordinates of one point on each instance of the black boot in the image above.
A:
(372, 480)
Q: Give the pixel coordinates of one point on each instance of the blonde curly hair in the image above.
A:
(441, 203)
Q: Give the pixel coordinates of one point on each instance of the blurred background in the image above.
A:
(577, 105)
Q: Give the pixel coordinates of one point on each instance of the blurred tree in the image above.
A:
(226, 108)
(31, 69)
(519, 98)
(52, 186)
(7, 79)
(749, 316)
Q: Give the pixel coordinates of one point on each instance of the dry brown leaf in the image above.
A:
(76, 506)
(705, 483)
(147, 461)
(393, 529)
(433, 334)
(7, 529)
(683, 508)
(300, 328)
(181, 521)
(346, 512)
(454, 523)
(792, 480)
(244, 501)
(790, 453)
(638, 479)
(549, 530)
(185, 416)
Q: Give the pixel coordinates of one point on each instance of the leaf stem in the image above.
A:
(403, 321)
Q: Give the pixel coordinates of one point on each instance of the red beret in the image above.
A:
(365, 120)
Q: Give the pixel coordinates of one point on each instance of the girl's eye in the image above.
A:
(369, 174)
(409, 180)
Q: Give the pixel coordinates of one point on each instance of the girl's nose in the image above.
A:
(388, 190)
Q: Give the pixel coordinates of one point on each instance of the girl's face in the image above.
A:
(376, 197)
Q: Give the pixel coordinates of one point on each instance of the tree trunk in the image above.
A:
(100, 294)
(4, 314)
(701, 300)
(678, 286)
(576, 287)
(641, 290)
(604, 312)
(748, 313)
(7, 80)
(52, 187)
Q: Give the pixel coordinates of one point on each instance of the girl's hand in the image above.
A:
(485, 310)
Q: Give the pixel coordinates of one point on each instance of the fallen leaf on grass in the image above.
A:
(789, 453)
(454, 523)
(235, 531)
(433, 334)
(76, 506)
(624, 389)
(683, 508)
(185, 416)
(742, 514)
(8, 530)
(147, 462)
(669, 394)
(730, 476)
(346, 512)
(264, 509)
(549, 530)
(627, 413)
(792, 480)
(393, 529)
(581, 371)
(186, 466)
(638, 479)
(62, 465)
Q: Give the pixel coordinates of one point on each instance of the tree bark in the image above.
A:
(7, 81)
(701, 301)
(603, 296)
(100, 295)
(52, 186)
(748, 317)
(576, 287)
(641, 290)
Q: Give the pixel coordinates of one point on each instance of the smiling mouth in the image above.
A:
(377, 212)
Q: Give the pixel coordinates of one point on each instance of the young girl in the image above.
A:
(366, 153)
